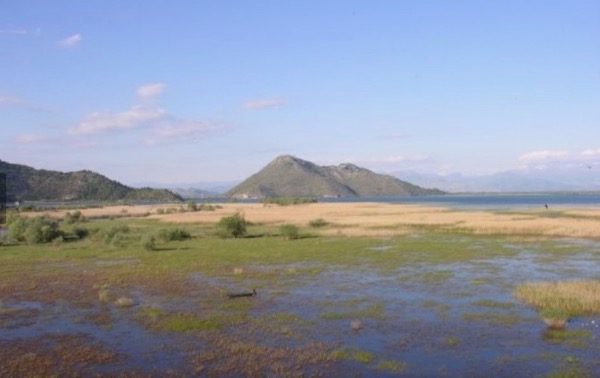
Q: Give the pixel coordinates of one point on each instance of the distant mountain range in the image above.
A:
(29, 184)
(290, 176)
(571, 180)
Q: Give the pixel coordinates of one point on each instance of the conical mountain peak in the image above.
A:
(289, 176)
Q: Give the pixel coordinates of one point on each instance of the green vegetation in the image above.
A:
(287, 201)
(289, 231)
(234, 226)
(148, 242)
(354, 354)
(173, 234)
(318, 223)
(26, 183)
(392, 366)
(36, 230)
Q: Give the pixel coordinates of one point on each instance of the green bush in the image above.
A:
(113, 235)
(76, 217)
(233, 226)
(317, 223)
(160, 211)
(148, 242)
(33, 230)
(289, 231)
(80, 232)
(173, 234)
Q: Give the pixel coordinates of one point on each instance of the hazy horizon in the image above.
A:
(213, 91)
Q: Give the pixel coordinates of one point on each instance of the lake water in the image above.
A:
(489, 200)
(484, 201)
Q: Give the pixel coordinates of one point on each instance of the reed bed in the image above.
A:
(384, 219)
(557, 301)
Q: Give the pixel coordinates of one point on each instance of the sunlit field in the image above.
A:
(367, 288)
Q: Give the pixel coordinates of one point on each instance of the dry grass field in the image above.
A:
(381, 219)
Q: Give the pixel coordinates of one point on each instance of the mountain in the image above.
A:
(30, 184)
(289, 176)
(528, 180)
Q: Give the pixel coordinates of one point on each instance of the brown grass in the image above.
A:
(560, 300)
(381, 219)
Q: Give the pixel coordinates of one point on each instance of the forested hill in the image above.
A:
(290, 176)
(27, 183)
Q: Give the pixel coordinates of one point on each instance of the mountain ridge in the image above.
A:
(24, 183)
(288, 175)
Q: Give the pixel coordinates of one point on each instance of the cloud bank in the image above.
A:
(159, 125)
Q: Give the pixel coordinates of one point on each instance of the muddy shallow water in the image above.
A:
(417, 319)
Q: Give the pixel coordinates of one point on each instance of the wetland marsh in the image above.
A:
(375, 290)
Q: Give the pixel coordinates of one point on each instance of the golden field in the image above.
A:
(383, 219)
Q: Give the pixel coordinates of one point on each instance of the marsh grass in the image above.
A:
(392, 366)
(577, 337)
(493, 304)
(354, 354)
(557, 301)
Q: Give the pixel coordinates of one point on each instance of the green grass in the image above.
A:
(392, 366)
(493, 304)
(354, 354)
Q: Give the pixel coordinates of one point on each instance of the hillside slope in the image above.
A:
(289, 176)
(26, 183)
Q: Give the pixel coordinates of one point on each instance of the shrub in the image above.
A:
(208, 207)
(191, 206)
(233, 226)
(17, 227)
(289, 231)
(113, 235)
(160, 211)
(148, 242)
(33, 230)
(81, 232)
(317, 223)
(76, 217)
(173, 234)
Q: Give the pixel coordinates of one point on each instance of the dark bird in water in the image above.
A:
(546, 205)
(240, 295)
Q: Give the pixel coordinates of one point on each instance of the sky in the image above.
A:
(205, 91)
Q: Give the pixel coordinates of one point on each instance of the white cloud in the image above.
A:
(264, 103)
(178, 130)
(539, 156)
(158, 125)
(136, 116)
(591, 153)
(150, 91)
(71, 41)
(30, 138)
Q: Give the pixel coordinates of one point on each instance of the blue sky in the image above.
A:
(203, 91)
